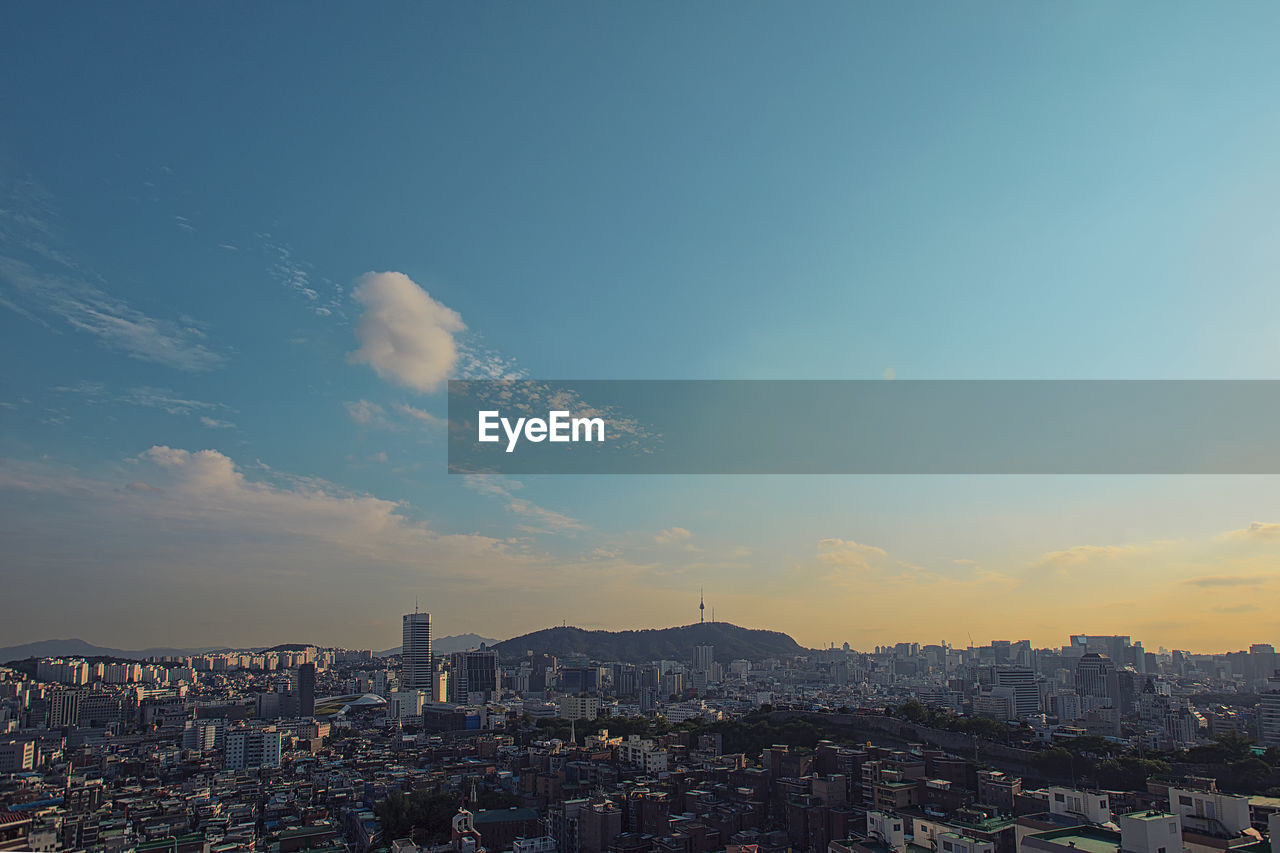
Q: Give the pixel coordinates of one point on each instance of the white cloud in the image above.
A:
(370, 414)
(214, 423)
(672, 536)
(405, 336)
(848, 554)
(166, 401)
(1258, 530)
(41, 280)
(88, 308)
(1087, 553)
(170, 402)
(543, 520)
(183, 525)
(419, 415)
(367, 414)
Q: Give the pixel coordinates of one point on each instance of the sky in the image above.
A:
(243, 247)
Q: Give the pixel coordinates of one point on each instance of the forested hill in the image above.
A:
(730, 641)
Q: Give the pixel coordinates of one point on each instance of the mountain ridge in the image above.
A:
(447, 645)
(76, 647)
(731, 642)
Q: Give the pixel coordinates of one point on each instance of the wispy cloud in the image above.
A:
(848, 553)
(1258, 530)
(43, 282)
(673, 536)
(299, 277)
(163, 399)
(398, 417)
(542, 520)
(420, 415)
(1213, 581)
(366, 413)
(1086, 553)
(87, 308)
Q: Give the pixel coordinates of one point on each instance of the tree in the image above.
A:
(1248, 776)
(1055, 762)
(1223, 749)
(424, 814)
(913, 712)
(1128, 773)
(1095, 744)
(396, 815)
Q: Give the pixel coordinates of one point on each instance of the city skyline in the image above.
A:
(417, 632)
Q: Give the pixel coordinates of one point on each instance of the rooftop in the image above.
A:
(503, 815)
(1088, 839)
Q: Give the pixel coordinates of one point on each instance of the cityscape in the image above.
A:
(602, 426)
(533, 746)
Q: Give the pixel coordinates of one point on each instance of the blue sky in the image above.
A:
(192, 195)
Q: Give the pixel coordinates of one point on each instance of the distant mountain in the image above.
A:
(79, 648)
(448, 645)
(731, 643)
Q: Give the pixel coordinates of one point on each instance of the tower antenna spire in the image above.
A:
(702, 607)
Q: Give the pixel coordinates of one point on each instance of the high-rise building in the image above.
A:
(1094, 675)
(1269, 719)
(1022, 681)
(703, 656)
(307, 690)
(64, 708)
(415, 652)
(473, 672)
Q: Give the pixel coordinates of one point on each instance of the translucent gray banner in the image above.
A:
(864, 427)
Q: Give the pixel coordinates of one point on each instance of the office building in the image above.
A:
(307, 690)
(415, 652)
(473, 675)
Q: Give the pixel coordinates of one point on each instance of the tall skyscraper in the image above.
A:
(307, 690)
(703, 657)
(415, 652)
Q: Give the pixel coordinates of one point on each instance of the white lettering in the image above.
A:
(587, 425)
(487, 423)
(513, 435)
(558, 427)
